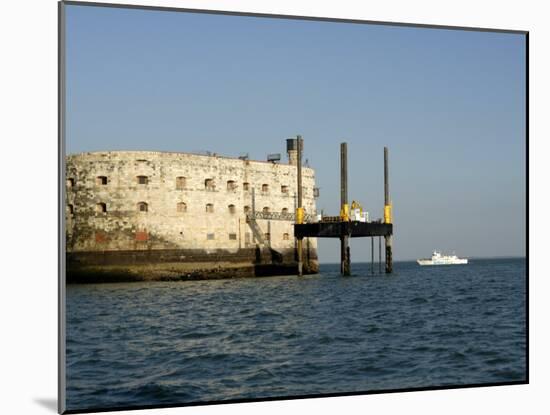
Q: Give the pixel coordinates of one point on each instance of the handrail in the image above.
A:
(277, 216)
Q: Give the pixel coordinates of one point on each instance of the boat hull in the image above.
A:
(429, 262)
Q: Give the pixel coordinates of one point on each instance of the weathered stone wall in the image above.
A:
(104, 194)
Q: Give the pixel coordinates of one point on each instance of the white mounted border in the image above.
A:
(29, 127)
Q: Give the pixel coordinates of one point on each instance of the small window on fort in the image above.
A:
(142, 179)
(209, 208)
(284, 189)
(142, 235)
(265, 209)
(265, 188)
(181, 207)
(100, 237)
(232, 209)
(232, 236)
(246, 186)
(284, 211)
(180, 183)
(267, 236)
(209, 184)
(210, 236)
(142, 207)
(246, 209)
(231, 185)
(286, 236)
(101, 208)
(70, 182)
(70, 209)
(101, 180)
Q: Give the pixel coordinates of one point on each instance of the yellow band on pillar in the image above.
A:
(344, 213)
(387, 214)
(300, 215)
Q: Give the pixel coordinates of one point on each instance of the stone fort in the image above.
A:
(143, 215)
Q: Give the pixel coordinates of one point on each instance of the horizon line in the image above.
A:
(414, 260)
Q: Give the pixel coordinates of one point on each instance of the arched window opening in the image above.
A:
(101, 180)
(265, 209)
(101, 208)
(265, 188)
(181, 207)
(142, 235)
(231, 185)
(142, 179)
(209, 184)
(286, 236)
(142, 207)
(180, 183)
(232, 209)
(209, 208)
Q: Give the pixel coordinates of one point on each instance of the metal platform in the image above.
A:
(340, 226)
(352, 229)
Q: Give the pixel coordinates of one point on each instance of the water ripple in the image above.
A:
(196, 341)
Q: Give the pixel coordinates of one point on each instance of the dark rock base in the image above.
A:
(183, 265)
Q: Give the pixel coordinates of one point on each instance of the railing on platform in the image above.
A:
(291, 217)
(331, 219)
(277, 216)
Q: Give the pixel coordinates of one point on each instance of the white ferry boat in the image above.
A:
(439, 259)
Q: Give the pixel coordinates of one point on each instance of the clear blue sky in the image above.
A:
(449, 104)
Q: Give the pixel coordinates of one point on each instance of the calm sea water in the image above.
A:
(180, 342)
